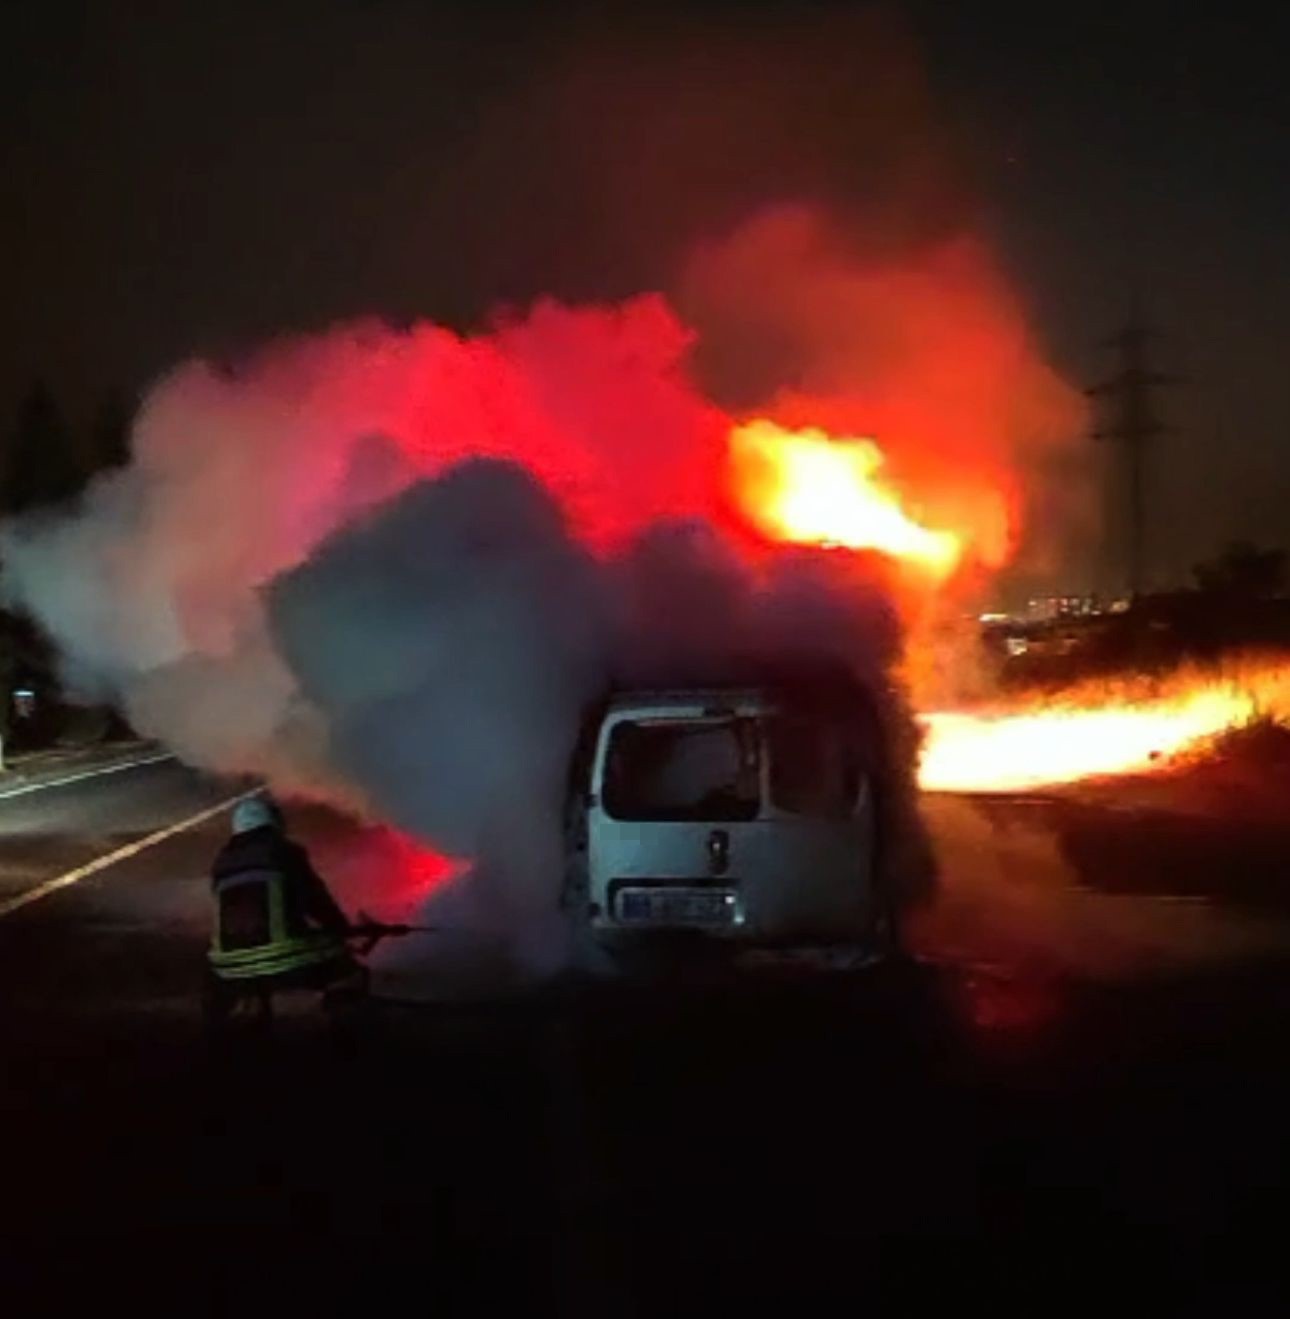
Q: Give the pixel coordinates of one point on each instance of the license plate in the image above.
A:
(660, 906)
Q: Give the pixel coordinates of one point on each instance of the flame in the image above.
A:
(813, 488)
(810, 487)
(1095, 731)
(1001, 753)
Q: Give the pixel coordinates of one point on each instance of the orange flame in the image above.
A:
(1095, 732)
(809, 487)
(813, 488)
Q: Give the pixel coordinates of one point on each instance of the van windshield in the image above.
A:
(684, 771)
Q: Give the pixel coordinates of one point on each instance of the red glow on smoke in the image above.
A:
(377, 867)
(924, 352)
(927, 352)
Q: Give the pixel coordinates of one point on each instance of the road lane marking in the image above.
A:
(88, 774)
(10, 905)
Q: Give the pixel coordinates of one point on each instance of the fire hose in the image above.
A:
(369, 932)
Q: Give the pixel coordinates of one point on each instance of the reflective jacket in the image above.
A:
(273, 913)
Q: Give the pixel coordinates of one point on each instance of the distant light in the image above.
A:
(992, 618)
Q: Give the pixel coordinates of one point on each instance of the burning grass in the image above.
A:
(1105, 727)
(1240, 774)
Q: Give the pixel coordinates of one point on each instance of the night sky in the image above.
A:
(191, 177)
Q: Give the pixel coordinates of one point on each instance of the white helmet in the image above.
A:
(255, 813)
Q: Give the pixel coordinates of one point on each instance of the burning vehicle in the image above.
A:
(729, 823)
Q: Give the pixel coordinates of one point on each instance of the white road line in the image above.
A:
(88, 774)
(10, 905)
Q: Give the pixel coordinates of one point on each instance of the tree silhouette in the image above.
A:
(1243, 570)
(110, 438)
(43, 461)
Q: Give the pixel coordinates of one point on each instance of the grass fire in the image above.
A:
(1100, 728)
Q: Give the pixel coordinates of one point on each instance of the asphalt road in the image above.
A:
(1092, 1045)
(58, 824)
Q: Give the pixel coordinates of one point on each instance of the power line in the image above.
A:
(1132, 422)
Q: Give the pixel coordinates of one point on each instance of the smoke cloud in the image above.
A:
(926, 349)
(151, 588)
(453, 639)
(389, 569)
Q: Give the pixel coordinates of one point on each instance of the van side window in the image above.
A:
(814, 768)
(683, 771)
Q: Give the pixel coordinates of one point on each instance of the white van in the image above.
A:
(743, 820)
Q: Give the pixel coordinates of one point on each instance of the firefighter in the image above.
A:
(276, 924)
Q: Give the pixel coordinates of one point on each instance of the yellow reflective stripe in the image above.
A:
(270, 959)
(274, 952)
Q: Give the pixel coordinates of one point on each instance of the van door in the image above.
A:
(678, 795)
(727, 823)
(819, 808)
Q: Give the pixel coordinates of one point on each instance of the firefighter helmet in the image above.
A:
(255, 813)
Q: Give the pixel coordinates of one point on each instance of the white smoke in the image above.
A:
(453, 639)
(391, 571)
